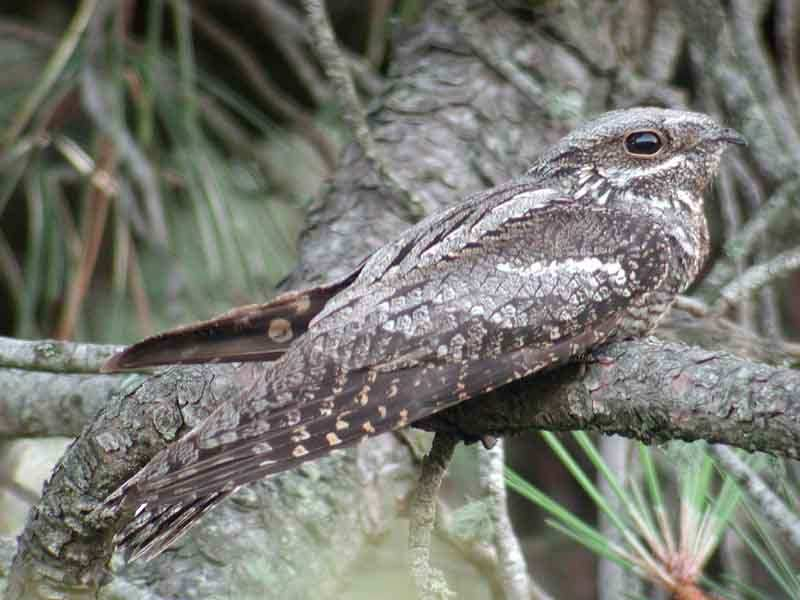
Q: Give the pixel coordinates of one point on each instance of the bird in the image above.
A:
(592, 244)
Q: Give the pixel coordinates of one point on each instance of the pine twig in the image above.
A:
(772, 506)
(430, 582)
(511, 566)
(338, 71)
(272, 97)
(757, 277)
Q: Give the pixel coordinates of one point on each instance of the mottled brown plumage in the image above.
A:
(593, 243)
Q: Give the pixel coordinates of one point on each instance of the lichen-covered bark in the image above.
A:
(652, 391)
(448, 124)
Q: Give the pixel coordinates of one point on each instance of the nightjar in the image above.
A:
(592, 243)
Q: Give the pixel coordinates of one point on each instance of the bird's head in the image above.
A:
(660, 157)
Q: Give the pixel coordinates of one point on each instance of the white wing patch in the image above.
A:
(586, 265)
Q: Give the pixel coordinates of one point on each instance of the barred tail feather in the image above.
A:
(169, 506)
(154, 530)
(190, 477)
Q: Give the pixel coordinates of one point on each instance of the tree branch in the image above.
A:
(649, 390)
(430, 582)
(512, 569)
(652, 391)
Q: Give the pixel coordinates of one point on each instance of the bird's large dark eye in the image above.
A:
(643, 143)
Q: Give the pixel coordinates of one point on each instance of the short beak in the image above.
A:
(730, 136)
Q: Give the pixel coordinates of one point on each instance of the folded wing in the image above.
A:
(505, 285)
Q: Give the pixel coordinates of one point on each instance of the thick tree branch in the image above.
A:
(652, 391)
(649, 390)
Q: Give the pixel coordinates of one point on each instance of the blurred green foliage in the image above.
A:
(141, 185)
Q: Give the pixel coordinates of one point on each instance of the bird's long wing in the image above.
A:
(498, 292)
(258, 332)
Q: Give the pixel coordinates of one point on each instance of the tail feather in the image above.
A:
(188, 478)
(254, 458)
(170, 507)
(154, 530)
(170, 500)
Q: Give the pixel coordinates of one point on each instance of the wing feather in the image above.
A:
(258, 332)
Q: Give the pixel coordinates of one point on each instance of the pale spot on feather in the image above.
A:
(382, 411)
(363, 396)
(300, 434)
(367, 426)
(280, 330)
(403, 421)
(333, 439)
(299, 451)
(342, 424)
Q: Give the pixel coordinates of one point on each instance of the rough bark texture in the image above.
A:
(448, 124)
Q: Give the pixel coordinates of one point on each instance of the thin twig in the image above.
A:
(430, 582)
(512, 569)
(770, 314)
(12, 273)
(376, 37)
(731, 220)
(694, 306)
(94, 226)
(144, 315)
(94, 95)
(51, 73)
(54, 356)
(289, 23)
(665, 44)
(756, 277)
(787, 32)
(770, 503)
(481, 554)
(613, 580)
(272, 18)
(337, 70)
